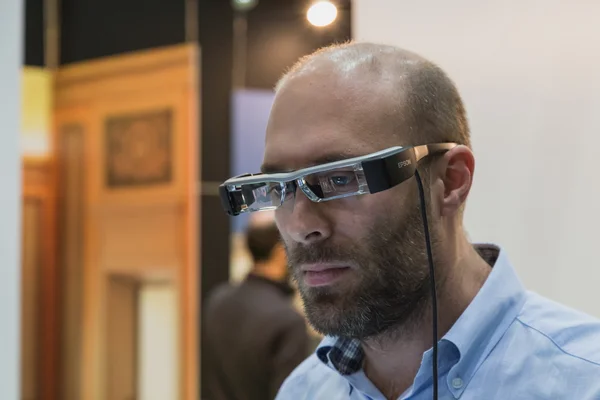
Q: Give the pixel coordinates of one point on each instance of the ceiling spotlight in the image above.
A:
(322, 13)
(243, 5)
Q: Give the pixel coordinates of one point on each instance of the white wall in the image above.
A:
(529, 73)
(158, 342)
(11, 15)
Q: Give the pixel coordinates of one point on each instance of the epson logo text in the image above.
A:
(404, 163)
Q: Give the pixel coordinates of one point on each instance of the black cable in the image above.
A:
(432, 282)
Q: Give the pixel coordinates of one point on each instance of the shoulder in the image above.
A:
(312, 380)
(218, 294)
(570, 333)
(287, 323)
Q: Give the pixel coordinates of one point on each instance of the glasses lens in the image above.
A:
(261, 196)
(265, 196)
(336, 183)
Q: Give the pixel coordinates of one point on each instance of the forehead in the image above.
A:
(322, 117)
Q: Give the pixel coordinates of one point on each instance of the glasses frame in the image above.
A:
(382, 170)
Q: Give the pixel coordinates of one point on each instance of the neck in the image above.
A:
(393, 359)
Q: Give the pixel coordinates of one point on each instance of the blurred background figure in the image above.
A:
(254, 335)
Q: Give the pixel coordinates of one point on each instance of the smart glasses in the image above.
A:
(371, 173)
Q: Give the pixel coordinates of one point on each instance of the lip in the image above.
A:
(323, 274)
(322, 267)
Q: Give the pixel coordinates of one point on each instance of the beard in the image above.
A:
(389, 286)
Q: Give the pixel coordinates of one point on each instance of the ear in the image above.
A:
(456, 173)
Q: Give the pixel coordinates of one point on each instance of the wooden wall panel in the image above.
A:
(71, 214)
(154, 228)
(155, 168)
(140, 157)
(39, 316)
(31, 300)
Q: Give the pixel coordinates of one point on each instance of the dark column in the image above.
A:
(34, 33)
(215, 31)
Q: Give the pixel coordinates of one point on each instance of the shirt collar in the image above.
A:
(486, 319)
(474, 334)
(342, 354)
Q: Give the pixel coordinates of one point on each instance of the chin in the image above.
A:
(332, 312)
(326, 321)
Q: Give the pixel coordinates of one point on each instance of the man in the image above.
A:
(361, 262)
(254, 336)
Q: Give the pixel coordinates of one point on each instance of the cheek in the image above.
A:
(280, 223)
(393, 203)
(355, 217)
(359, 216)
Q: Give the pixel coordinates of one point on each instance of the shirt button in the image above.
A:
(457, 383)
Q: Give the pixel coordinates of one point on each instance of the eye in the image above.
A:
(334, 182)
(340, 180)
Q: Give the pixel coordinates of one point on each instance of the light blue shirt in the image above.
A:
(509, 344)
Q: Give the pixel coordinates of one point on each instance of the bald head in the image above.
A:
(421, 102)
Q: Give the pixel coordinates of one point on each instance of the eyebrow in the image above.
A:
(274, 168)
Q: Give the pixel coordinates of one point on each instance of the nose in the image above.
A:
(305, 221)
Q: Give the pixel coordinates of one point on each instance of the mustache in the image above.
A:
(320, 253)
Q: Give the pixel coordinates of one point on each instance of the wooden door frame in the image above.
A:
(133, 288)
(38, 184)
(85, 88)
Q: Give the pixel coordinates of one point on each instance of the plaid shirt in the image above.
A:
(346, 355)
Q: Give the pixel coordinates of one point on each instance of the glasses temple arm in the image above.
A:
(424, 150)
